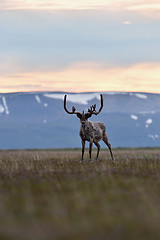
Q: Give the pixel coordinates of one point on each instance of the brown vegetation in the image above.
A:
(51, 195)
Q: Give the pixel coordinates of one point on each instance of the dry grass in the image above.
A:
(51, 195)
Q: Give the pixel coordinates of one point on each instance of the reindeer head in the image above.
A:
(84, 116)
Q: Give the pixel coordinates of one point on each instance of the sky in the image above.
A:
(80, 46)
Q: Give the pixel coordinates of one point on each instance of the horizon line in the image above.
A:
(70, 92)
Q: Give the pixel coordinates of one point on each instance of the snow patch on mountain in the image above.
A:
(37, 98)
(134, 117)
(5, 105)
(154, 137)
(139, 95)
(114, 93)
(84, 98)
(45, 105)
(1, 109)
(75, 98)
(147, 112)
(148, 121)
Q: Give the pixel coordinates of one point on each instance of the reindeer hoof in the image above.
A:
(90, 161)
(113, 161)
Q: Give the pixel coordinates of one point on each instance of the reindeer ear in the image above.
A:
(79, 115)
(88, 115)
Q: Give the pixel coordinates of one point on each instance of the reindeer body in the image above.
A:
(90, 131)
(93, 132)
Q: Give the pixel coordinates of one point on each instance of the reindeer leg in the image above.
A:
(83, 147)
(98, 148)
(105, 139)
(90, 150)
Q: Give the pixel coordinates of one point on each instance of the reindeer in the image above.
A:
(92, 132)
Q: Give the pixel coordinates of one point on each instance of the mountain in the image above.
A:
(38, 120)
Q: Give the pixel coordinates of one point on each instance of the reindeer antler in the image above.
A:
(65, 108)
(92, 109)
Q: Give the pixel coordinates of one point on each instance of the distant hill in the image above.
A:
(38, 120)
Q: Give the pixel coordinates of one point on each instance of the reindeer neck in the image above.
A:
(89, 122)
(86, 125)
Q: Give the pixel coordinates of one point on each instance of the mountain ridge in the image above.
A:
(38, 120)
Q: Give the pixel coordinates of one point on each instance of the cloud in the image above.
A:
(150, 9)
(87, 77)
(127, 22)
(52, 5)
(150, 6)
(50, 42)
(113, 5)
(115, 44)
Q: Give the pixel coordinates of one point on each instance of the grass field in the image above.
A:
(51, 195)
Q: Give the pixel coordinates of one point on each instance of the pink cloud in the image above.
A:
(87, 77)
